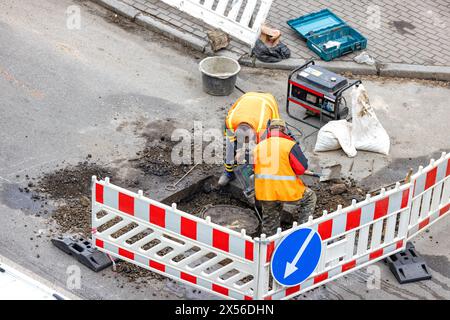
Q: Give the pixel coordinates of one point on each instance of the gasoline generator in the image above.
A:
(319, 92)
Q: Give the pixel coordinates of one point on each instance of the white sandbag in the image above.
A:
(367, 133)
(334, 136)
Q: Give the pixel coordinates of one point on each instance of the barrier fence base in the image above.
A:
(408, 266)
(82, 250)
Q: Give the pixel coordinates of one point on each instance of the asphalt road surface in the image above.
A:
(69, 93)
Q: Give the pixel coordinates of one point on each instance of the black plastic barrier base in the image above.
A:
(82, 250)
(408, 266)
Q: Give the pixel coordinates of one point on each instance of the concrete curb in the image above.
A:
(119, 8)
(290, 64)
(441, 73)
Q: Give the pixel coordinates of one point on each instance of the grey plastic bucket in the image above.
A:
(219, 75)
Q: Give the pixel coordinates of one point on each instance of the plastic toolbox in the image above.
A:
(328, 35)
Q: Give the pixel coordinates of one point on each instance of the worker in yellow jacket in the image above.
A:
(278, 164)
(244, 125)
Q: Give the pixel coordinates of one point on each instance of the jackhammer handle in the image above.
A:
(312, 174)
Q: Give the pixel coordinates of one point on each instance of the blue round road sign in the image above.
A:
(296, 257)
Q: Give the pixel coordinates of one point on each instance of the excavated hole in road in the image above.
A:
(228, 207)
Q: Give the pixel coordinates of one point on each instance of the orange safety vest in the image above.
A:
(255, 109)
(275, 180)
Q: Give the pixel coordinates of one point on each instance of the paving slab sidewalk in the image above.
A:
(407, 39)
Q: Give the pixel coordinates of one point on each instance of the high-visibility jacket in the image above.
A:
(275, 180)
(254, 109)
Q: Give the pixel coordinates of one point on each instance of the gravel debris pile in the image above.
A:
(70, 188)
(334, 193)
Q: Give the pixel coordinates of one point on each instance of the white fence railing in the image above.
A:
(232, 265)
(241, 19)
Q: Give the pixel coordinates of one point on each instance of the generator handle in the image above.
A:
(311, 61)
(348, 86)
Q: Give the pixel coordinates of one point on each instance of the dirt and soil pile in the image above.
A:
(156, 159)
(334, 193)
(157, 156)
(70, 188)
(135, 273)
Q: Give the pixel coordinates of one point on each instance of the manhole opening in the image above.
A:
(227, 206)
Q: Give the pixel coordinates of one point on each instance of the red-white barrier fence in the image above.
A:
(173, 243)
(366, 232)
(232, 265)
(352, 238)
(430, 195)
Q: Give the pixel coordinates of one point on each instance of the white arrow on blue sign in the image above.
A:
(296, 257)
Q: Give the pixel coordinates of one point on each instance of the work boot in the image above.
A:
(226, 178)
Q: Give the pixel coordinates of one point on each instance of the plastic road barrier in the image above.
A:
(173, 243)
(232, 265)
(430, 195)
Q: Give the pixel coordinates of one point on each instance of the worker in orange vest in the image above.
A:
(278, 164)
(244, 125)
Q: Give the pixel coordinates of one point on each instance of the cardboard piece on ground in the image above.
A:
(269, 36)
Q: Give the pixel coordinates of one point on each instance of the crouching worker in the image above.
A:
(278, 164)
(246, 122)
